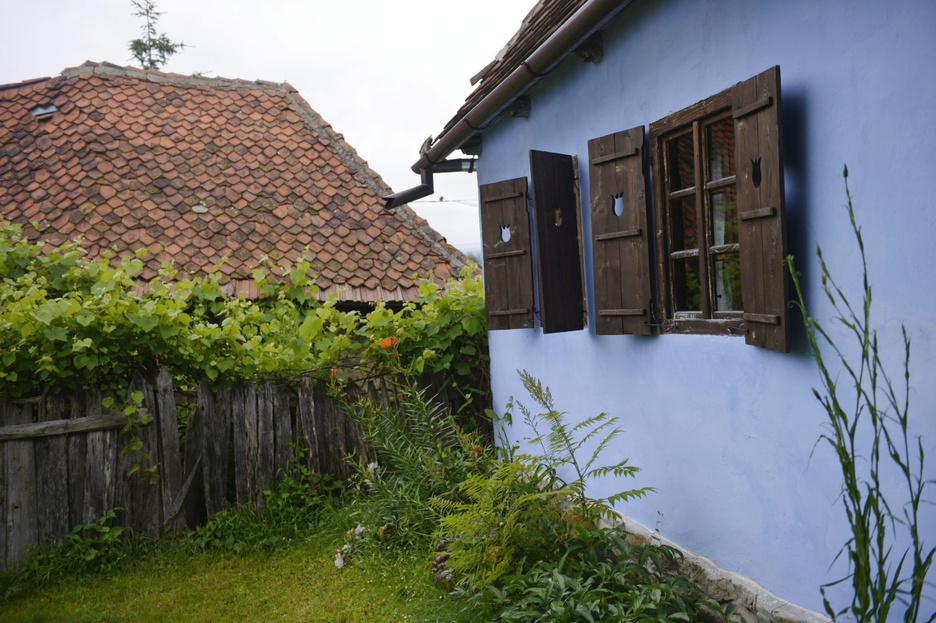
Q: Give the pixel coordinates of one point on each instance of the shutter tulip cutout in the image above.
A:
(618, 204)
(755, 172)
(505, 233)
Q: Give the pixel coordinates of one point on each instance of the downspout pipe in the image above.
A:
(426, 187)
(589, 17)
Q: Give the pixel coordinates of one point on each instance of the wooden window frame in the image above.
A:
(694, 120)
(754, 105)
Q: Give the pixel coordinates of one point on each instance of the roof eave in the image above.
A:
(586, 20)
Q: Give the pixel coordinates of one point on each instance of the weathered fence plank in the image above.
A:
(333, 437)
(283, 430)
(77, 467)
(194, 461)
(80, 474)
(52, 476)
(217, 432)
(106, 421)
(170, 476)
(101, 464)
(6, 417)
(239, 425)
(250, 418)
(354, 442)
(22, 521)
(264, 441)
(147, 505)
(307, 425)
(123, 486)
(223, 412)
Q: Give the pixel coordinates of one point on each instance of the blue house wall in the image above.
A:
(727, 433)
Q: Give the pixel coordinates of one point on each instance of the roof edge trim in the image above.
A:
(110, 69)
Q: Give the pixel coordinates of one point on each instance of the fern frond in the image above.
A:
(620, 470)
(632, 494)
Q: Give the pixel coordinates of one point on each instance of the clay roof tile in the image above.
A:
(204, 167)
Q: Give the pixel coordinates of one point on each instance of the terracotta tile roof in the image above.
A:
(203, 169)
(542, 21)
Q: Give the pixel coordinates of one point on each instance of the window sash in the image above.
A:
(706, 183)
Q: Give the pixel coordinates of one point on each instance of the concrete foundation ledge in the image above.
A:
(755, 603)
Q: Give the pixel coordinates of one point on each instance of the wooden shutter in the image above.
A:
(620, 244)
(558, 248)
(755, 105)
(508, 266)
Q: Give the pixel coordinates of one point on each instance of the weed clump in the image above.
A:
(868, 423)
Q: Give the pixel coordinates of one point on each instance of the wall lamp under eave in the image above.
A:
(426, 187)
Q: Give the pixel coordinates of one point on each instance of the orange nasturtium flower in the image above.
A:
(388, 342)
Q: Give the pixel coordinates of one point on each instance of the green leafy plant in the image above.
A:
(68, 322)
(99, 548)
(517, 507)
(502, 516)
(561, 443)
(136, 420)
(599, 577)
(868, 424)
(295, 508)
(421, 456)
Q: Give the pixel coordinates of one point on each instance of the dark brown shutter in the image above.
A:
(755, 105)
(620, 244)
(558, 252)
(508, 266)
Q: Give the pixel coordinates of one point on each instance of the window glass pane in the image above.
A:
(681, 162)
(687, 289)
(721, 149)
(725, 216)
(728, 283)
(685, 224)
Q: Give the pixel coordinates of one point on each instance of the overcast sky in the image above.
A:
(385, 73)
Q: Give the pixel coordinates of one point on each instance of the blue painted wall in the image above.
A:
(726, 432)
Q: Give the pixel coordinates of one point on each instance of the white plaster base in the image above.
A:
(755, 603)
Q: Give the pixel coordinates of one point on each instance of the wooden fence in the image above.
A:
(62, 462)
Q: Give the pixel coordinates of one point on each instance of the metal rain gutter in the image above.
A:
(590, 16)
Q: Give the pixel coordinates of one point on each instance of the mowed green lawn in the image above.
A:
(296, 584)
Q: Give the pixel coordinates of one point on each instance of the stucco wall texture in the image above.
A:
(725, 432)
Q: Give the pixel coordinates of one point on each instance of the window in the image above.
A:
(697, 209)
(718, 208)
